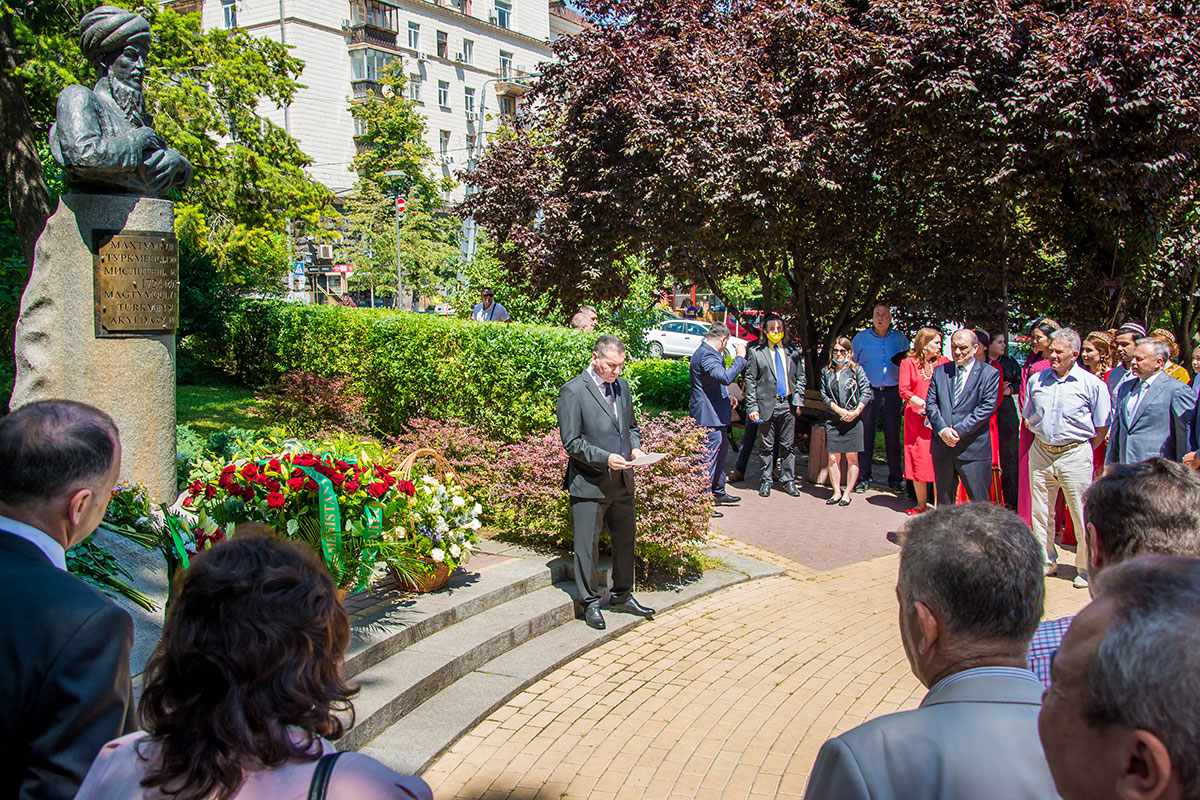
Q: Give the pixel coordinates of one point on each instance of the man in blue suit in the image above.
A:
(962, 398)
(710, 405)
(1153, 413)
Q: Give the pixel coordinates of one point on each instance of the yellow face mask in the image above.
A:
(775, 337)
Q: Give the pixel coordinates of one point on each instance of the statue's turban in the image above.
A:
(109, 28)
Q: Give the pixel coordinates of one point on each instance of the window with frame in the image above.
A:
(443, 44)
(503, 13)
(360, 127)
(506, 60)
(469, 100)
(508, 106)
(414, 36)
(368, 64)
(472, 143)
(444, 94)
(468, 51)
(444, 142)
(229, 10)
(414, 88)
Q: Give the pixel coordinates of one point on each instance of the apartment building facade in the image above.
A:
(465, 60)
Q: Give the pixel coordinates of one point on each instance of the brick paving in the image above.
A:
(729, 697)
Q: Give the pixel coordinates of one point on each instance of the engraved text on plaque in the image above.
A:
(136, 283)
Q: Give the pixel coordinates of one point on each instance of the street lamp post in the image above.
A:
(396, 174)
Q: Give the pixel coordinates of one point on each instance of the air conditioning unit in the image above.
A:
(459, 57)
(447, 159)
(325, 251)
(422, 56)
(346, 25)
(492, 17)
(472, 116)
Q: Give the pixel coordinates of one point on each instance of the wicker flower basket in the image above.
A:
(430, 581)
(439, 575)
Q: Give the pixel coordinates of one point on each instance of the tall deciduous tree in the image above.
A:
(955, 158)
(392, 141)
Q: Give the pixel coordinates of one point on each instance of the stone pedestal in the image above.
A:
(60, 356)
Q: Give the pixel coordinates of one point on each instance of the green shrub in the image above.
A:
(502, 378)
(190, 447)
(660, 383)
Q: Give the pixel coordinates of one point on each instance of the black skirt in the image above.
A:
(843, 437)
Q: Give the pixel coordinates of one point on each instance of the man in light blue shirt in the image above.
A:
(1068, 410)
(874, 350)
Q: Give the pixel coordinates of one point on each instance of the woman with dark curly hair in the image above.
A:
(243, 693)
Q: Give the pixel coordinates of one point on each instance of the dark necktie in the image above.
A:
(610, 392)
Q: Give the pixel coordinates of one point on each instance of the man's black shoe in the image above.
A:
(593, 617)
(861, 487)
(725, 498)
(630, 606)
(896, 486)
(717, 514)
(764, 490)
(791, 489)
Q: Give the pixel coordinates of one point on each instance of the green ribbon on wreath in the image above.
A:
(331, 522)
(373, 533)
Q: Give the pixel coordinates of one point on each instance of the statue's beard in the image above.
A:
(129, 99)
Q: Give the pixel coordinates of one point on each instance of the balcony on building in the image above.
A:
(373, 23)
(513, 80)
(359, 89)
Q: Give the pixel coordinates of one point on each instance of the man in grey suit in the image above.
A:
(774, 396)
(962, 397)
(971, 593)
(1153, 413)
(600, 435)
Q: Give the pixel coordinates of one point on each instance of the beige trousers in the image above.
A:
(1048, 473)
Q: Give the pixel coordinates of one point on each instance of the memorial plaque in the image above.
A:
(136, 277)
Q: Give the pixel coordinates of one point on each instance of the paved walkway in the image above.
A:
(731, 696)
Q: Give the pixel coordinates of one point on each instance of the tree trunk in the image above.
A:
(25, 188)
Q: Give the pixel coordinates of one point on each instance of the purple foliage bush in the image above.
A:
(471, 454)
(307, 404)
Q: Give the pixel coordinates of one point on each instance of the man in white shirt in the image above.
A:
(64, 647)
(488, 310)
(1068, 410)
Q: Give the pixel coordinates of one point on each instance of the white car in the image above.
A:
(681, 337)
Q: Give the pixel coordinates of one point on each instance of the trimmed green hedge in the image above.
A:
(502, 378)
(660, 383)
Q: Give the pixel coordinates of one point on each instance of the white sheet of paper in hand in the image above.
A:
(647, 458)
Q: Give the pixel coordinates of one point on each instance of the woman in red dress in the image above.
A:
(1038, 360)
(915, 373)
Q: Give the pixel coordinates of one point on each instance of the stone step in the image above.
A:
(395, 685)
(386, 623)
(421, 735)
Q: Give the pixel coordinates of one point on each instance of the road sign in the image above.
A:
(298, 268)
(400, 204)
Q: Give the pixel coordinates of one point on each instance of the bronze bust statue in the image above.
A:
(102, 136)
